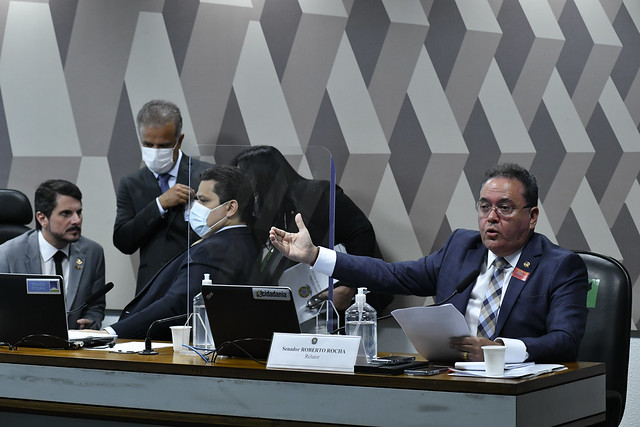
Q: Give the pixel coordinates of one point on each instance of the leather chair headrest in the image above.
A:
(15, 207)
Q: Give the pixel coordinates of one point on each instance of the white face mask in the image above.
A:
(158, 160)
(198, 218)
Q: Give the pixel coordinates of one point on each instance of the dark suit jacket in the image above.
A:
(227, 256)
(546, 309)
(311, 198)
(86, 272)
(352, 227)
(139, 224)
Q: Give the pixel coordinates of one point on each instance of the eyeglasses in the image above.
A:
(504, 210)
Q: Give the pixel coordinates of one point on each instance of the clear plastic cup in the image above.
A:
(180, 336)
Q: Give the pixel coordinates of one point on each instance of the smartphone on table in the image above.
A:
(392, 360)
(427, 371)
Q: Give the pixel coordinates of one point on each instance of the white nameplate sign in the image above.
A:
(311, 352)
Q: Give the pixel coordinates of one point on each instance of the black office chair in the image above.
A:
(15, 214)
(607, 335)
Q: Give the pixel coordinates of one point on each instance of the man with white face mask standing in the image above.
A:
(226, 250)
(152, 201)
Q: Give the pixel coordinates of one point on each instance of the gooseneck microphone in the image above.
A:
(148, 349)
(93, 297)
(464, 284)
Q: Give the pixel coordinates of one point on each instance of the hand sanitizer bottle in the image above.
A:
(361, 319)
(202, 338)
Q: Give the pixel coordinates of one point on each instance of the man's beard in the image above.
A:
(61, 236)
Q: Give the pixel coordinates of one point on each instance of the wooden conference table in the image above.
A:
(174, 389)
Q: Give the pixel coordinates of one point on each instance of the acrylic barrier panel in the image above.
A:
(284, 181)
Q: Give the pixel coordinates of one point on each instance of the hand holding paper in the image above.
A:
(430, 328)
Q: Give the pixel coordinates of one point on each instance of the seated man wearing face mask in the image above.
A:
(220, 216)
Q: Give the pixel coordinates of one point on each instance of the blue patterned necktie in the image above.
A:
(163, 179)
(491, 305)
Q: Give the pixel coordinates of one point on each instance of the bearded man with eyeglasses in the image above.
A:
(530, 294)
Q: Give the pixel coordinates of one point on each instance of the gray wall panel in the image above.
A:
(414, 99)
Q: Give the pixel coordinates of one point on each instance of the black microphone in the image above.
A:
(93, 297)
(148, 350)
(464, 284)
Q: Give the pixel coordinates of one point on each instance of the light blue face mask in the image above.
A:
(198, 216)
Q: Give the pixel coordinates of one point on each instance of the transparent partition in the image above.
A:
(285, 180)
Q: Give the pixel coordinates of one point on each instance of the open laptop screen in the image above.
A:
(31, 304)
(243, 318)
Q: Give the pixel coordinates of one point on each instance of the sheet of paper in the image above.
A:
(479, 366)
(305, 283)
(78, 334)
(531, 370)
(130, 347)
(429, 329)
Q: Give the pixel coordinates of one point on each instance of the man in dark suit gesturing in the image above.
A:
(151, 202)
(226, 252)
(530, 294)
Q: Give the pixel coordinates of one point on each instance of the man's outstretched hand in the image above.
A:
(298, 246)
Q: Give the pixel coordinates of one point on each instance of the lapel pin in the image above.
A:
(527, 264)
(78, 265)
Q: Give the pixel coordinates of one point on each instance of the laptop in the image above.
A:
(243, 318)
(33, 313)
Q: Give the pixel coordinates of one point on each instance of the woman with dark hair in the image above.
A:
(280, 193)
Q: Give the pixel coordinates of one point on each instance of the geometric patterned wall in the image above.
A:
(415, 99)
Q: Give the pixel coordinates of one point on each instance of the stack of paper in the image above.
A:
(511, 370)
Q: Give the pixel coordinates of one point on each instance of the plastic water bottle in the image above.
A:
(361, 319)
(201, 329)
